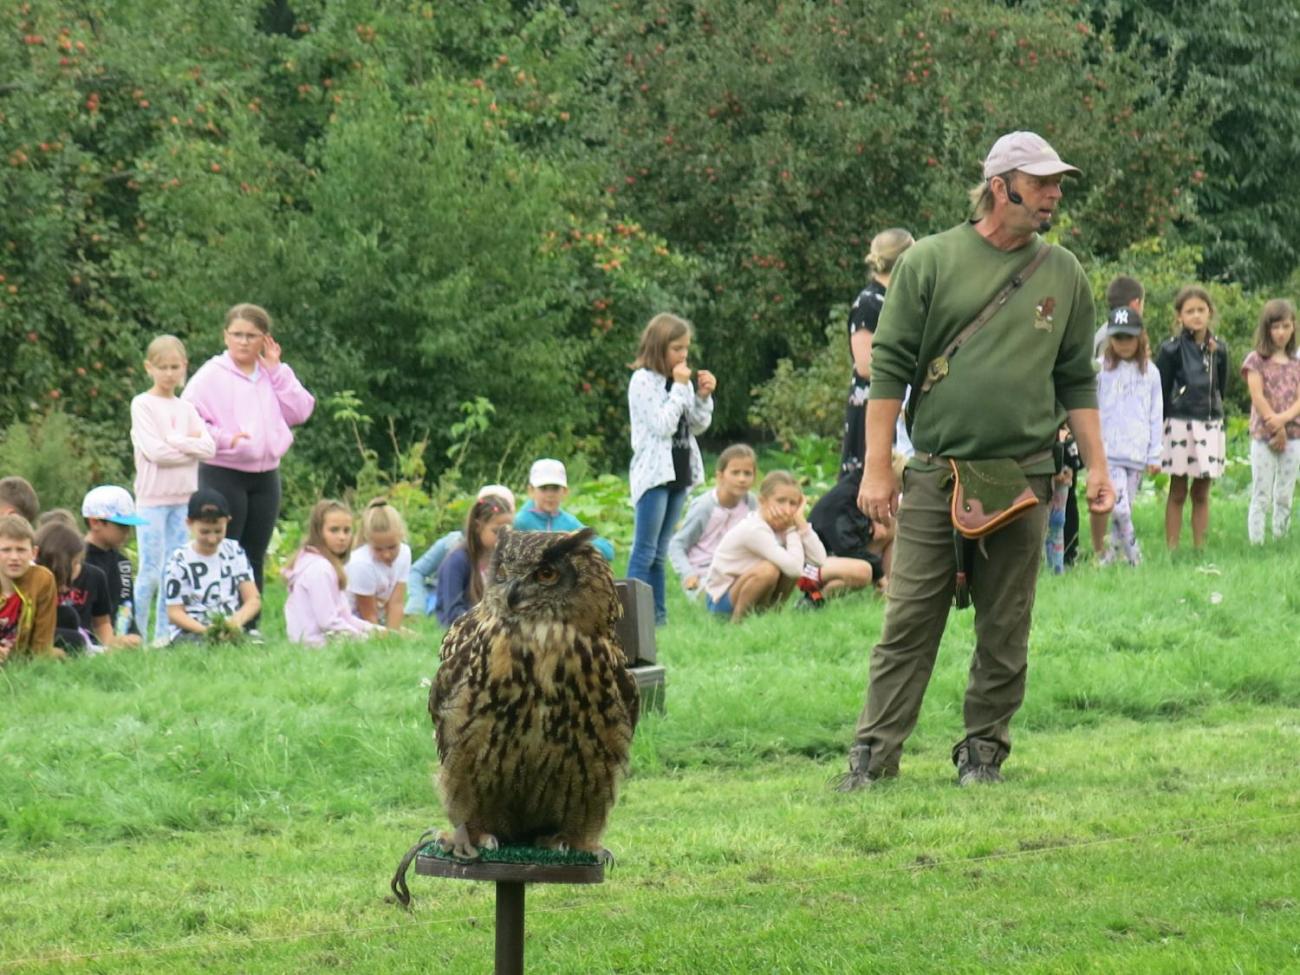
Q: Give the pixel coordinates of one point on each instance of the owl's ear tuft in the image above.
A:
(566, 545)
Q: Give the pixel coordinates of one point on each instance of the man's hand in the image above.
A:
(1101, 493)
(878, 494)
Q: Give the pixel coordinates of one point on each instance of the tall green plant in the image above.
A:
(61, 458)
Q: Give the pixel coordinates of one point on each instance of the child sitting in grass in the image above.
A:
(548, 486)
(758, 562)
(317, 607)
(209, 579)
(463, 573)
(378, 567)
(110, 515)
(29, 596)
(83, 622)
(712, 515)
(422, 585)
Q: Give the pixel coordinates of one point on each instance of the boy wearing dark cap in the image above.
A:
(210, 577)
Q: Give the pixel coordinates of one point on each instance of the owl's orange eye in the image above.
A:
(546, 575)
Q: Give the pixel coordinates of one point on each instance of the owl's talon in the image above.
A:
(605, 857)
(458, 844)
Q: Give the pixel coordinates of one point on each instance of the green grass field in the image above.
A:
(243, 810)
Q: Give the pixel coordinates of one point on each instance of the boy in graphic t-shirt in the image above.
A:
(211, 576)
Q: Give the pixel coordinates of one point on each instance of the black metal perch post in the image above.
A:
(510, 878)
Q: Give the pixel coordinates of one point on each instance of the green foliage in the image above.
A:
(446, 202)
(770, 141)
(807, 400)
(60, 458)
(222, 632)
(1241, 60)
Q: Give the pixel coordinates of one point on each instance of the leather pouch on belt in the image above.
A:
(988, 495)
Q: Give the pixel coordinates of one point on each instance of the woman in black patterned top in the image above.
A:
(886, 248)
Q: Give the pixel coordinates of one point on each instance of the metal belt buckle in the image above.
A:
(937, 369)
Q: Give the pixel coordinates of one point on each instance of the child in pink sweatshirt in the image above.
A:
(249, 398)
(170, 438)
(317, 607)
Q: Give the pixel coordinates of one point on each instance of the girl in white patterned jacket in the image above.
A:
(667, 413)
(1132, 420)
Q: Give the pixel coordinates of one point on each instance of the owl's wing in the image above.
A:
(466, 641)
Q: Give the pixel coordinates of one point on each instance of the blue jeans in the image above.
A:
(656, 517)
(164, 534)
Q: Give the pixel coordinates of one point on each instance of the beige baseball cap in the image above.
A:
(1027, 152)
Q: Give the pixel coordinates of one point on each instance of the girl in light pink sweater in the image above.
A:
(317, 607)
(170, 438)
(760, 560)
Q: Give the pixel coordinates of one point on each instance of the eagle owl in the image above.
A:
(533, 704)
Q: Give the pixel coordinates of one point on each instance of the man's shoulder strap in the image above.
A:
(938, 367)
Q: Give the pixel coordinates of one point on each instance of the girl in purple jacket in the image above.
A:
(249, 399)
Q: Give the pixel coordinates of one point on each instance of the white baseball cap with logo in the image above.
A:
(546, 472)
(1029, 153)
(108, 502)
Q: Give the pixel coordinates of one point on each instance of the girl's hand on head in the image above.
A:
(705, 384)
(270, 355)
(800, 522)
(681, 373)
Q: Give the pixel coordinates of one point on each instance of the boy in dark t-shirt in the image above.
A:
(110, 515)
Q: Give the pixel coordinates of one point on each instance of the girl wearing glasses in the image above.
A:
(249, 399)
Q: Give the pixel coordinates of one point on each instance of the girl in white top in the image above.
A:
(170, 438)
(667, 414)
(379, 566)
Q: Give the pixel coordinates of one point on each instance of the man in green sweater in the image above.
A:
(1007, 390)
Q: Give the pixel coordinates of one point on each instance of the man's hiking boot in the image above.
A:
(979, 760)
(857, 777)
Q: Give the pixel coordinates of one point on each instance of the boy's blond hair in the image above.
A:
(16, 528)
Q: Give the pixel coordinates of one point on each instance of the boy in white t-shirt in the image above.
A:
(379, 566)
(210, 577)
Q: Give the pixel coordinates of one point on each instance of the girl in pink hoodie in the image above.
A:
(317, 607)
(170, 438)
(249, 399)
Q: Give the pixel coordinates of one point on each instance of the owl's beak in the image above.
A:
(512, 594)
